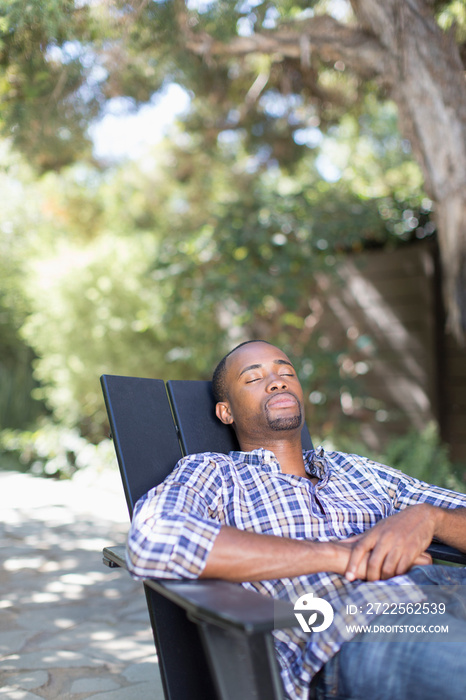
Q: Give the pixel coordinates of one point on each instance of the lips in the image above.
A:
(282, 401)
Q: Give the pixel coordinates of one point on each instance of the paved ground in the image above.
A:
(69, 627)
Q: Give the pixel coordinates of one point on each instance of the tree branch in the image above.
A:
(329, 39)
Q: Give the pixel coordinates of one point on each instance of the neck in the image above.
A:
(288, 451)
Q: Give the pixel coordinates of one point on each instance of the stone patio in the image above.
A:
(70, 627)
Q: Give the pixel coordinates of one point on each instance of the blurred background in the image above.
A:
(177, 177)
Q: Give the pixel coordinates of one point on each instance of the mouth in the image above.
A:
(284, 400)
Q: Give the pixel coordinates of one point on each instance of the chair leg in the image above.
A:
(243, 666)
(184, 670)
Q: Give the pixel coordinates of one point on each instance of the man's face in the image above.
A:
(264, 393)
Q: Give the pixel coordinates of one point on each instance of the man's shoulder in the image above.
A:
(366, 468)
(201, 457)
(201, 461)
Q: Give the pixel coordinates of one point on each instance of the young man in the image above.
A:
(287, 522)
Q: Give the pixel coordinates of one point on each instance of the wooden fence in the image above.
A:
(388, 306)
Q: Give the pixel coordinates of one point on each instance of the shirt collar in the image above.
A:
(315, 463)
(314, 460)
(257, 458)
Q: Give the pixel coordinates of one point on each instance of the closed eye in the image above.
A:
(258, 379)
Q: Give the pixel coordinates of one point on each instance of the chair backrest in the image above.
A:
(152, 430)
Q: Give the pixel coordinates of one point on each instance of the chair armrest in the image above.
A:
(437, 550)
(114, 556)
(216, 602)
(227, 605)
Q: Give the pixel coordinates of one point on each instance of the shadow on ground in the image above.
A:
(69, 627)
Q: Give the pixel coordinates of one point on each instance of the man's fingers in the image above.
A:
(384, 563)
(389, 548)
(357, 563)
(375, 562)
(423, 559)
(397, 563)
(379, 565)
(401, 561)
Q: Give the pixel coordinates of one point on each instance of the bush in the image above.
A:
(423, 456)
(52, 451)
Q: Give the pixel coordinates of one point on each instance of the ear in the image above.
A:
(223, 412)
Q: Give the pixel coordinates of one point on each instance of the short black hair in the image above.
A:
(218, 378)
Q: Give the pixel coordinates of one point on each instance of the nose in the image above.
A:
(276, 383)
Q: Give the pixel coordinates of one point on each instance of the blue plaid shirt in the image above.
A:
(175, 525)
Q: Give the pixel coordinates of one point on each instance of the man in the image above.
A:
(286, 522)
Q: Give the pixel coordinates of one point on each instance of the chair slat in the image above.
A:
(144, 434)
(199, 428)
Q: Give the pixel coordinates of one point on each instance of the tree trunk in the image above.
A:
(425, 77)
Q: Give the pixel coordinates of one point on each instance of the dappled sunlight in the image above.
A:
(19, 563)
(66, 613)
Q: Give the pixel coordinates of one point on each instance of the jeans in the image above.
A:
(410, 666)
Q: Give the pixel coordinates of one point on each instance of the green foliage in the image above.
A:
(91, 314)
(423, 456)
(158, 273)
(52, 451)
(17, 408)
(158, 269)
(42, 71)
(451, 16)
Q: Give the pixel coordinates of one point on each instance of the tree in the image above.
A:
(45, 106)
(156, 272)
(268, 68)
(18, 214)
(232, 230)
(416, 62)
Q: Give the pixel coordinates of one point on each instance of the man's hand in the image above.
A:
(393, 545)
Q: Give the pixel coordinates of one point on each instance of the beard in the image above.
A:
(285, 422)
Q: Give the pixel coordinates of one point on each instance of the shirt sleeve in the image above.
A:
(406, 490)
(173, 530)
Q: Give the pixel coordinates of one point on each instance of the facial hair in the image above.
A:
(284, 422)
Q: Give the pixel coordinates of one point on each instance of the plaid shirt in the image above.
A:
(175, 525)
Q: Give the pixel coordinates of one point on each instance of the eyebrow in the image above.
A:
(258, 366)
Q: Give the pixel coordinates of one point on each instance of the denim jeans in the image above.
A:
(411, 666)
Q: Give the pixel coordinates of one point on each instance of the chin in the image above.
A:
(291, 423)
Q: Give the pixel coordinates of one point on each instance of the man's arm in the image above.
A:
(239, 555)
(394, 544)
(451, 527)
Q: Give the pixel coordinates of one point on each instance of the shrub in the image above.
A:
(52, 451)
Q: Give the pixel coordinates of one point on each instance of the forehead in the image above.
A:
(253, 354)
